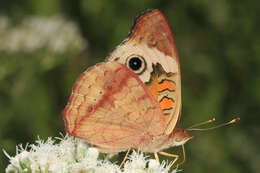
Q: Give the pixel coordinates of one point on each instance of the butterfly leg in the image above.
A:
(184, 156)
(156, 157)
(125, 157)
(176, 156)
(170, 155)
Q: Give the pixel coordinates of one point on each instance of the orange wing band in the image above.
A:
(166, 85)
(166, 103)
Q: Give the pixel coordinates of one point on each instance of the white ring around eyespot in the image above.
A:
(143, 66)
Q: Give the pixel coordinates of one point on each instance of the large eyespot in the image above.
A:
(136, 63)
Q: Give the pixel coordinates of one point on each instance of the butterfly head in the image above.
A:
(179, 136)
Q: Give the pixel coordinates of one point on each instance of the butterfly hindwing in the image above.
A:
(111, 108)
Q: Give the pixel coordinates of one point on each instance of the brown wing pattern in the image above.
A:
(151, 38)
(152, 29)
(110, 107)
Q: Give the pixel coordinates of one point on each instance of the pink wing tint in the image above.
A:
(111, 108)
(152, 28)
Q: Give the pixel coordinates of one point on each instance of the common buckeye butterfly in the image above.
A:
(133, 99)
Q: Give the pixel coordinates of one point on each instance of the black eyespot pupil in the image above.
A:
(135, 63)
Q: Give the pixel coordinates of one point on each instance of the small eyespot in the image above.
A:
(136, 63)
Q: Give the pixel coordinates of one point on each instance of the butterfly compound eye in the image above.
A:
(136, 63)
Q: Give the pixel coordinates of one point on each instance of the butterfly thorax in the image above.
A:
(158, 143)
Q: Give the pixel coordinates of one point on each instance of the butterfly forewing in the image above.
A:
(151, 38)
(111, 108)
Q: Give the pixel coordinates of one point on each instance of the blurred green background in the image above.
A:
(46, 44)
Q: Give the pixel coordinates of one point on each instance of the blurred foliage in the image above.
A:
(218, 43)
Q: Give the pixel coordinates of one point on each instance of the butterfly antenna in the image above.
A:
(202, 123)
(211, 128)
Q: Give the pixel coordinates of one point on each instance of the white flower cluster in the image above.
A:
(33, 33)
(75, 156)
